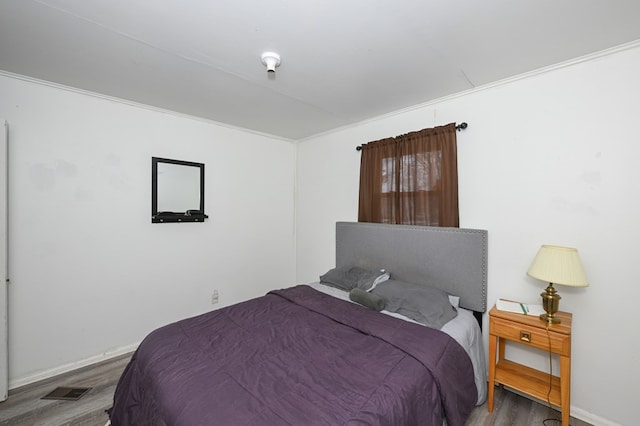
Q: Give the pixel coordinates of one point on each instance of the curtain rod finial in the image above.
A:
(461, 126)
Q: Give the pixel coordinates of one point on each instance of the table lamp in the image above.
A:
(556, 265)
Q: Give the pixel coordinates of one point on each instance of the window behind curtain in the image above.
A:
(411, 179)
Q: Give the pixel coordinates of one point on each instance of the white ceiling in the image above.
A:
(343, 61)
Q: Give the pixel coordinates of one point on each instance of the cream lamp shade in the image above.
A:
(556, 265)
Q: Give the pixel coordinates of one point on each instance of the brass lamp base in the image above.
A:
(550, 303)
(550, 319)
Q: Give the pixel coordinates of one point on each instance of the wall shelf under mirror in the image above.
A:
(177, 191)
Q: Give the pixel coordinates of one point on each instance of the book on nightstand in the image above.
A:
(519, 307)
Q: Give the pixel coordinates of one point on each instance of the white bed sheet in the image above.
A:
(463, 328)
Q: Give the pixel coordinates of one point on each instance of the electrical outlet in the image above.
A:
(214, 297)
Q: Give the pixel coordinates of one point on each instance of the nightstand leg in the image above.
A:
(565, 389)
(493, 342)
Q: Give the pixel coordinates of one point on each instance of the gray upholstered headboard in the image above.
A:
(452, 259)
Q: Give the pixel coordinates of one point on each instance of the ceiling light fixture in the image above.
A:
(271, 60)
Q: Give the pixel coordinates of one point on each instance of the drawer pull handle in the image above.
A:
(525, 336)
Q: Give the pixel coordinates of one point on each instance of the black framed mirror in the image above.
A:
(177, 191)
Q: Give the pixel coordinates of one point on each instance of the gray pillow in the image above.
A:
(350, 277)
(364, 298)
(426, 305)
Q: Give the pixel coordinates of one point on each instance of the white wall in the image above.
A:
(90, 274)
(552, 158)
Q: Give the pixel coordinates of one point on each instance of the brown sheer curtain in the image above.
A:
(411, 179)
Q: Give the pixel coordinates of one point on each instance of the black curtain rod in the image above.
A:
(459, 127)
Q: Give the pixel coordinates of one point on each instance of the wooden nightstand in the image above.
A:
(530, 331)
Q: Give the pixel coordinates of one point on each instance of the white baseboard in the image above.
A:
(42, 375)
(591, 418)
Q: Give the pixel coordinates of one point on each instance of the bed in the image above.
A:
(309, 355)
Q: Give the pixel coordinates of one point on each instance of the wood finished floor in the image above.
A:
(25, 408)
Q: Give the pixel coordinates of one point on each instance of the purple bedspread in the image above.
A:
(295, 357)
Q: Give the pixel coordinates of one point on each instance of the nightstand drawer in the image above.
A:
(532, 336)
